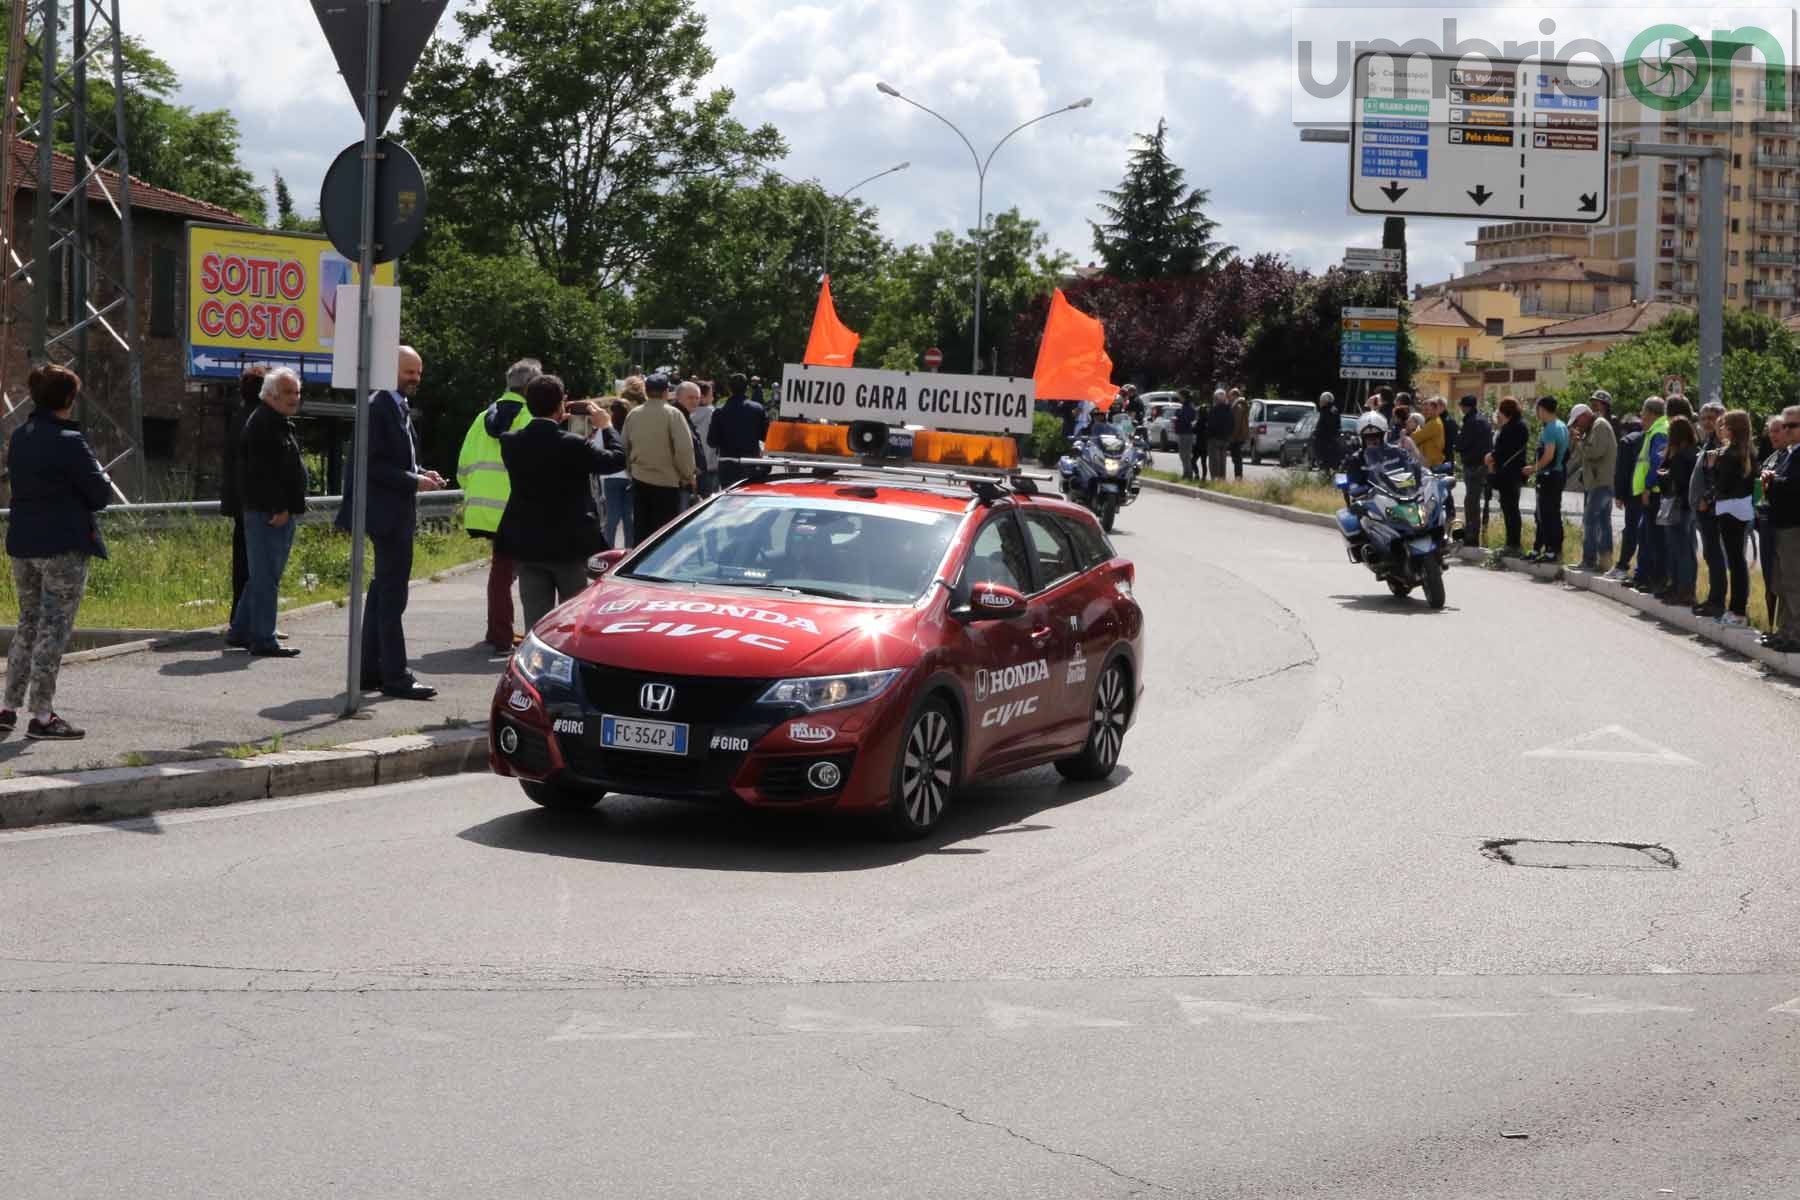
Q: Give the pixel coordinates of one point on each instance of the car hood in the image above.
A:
(728, 631)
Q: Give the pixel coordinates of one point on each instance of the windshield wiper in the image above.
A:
(825, 593)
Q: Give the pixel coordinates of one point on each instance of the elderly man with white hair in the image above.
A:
(272, 485)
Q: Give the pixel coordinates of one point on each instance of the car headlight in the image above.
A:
(540, 664)
(1112, 466)
(817, 692)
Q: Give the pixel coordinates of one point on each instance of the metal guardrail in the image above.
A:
(433, 506)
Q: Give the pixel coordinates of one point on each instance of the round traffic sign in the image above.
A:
(399, 201)
(934, 358)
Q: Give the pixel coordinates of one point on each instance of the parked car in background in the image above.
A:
(1297, 448)
(1270, 423)
(1160, 426)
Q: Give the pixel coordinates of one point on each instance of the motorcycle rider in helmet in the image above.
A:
(1376, 454)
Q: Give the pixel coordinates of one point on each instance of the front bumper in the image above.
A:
(737, 753)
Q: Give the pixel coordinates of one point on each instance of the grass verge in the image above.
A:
(179, 576)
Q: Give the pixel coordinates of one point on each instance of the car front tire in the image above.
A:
(1107, 720)
(925, 773)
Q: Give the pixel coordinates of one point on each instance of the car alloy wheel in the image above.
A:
(925, 774)
(1106, 729)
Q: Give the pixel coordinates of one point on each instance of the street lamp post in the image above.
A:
(820, 198)
(981, 169)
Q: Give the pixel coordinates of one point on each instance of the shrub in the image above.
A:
(1047, 439)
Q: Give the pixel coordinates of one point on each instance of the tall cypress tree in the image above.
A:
(1156, 226)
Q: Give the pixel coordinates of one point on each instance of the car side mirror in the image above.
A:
(603, 562)
(993, 602)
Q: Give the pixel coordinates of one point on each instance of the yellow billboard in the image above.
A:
(258, 296)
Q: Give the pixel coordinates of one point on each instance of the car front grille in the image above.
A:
(697, 774)
(698, 700)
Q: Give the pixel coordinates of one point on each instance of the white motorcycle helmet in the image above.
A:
(1371, 421)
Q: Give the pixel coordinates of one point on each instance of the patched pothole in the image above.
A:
(1580, 856)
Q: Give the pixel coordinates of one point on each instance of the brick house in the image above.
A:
(183, 421)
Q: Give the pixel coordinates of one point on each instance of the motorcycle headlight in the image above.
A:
(1112, 466)
(815, 693)
(540, 664)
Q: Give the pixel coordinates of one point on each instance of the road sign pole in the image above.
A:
(365, 317)
(1712, 277)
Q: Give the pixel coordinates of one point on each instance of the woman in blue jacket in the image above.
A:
(57, 487)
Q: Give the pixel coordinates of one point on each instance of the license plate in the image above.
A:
(651, 737)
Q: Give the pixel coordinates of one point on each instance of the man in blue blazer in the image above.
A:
(395, 481)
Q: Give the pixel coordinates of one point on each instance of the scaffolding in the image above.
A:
(74, 283)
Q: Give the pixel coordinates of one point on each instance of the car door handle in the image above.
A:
(1040, 633)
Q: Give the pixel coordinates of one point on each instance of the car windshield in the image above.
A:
(839, 549)
(1287, 412)
(1307, 424)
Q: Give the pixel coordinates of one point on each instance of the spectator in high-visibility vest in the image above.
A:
(482, 474)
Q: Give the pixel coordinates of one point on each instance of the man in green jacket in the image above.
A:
(1596, 458)
(486, 488)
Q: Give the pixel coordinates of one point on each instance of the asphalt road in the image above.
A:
(1270, 960)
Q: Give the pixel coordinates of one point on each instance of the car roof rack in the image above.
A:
(987, 483)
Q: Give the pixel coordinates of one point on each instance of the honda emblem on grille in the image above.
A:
(656, 697)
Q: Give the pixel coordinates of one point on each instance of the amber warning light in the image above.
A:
(929, 447)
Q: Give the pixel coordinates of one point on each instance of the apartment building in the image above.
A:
(1654, 225)
(1526, 241)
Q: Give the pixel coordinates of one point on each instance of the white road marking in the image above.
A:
(1792, 1006)
(1023, 1016)
(592, 1027)
(1590, 747)
(1199, 1011)
(821, 1020)
(1595, 1004)
(1433, 1010)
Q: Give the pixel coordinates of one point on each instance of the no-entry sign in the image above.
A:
(934, 358)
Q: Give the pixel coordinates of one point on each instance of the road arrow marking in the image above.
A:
(1480, 194)
(820, 1020)
(1199, 1011)
(1588, 1004)
(592, 1027)
(1428, 1009)
(1023, 1016)
(1642, 750)
(1393, 192)
(1792, 1006)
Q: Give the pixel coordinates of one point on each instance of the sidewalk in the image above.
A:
(202, 700)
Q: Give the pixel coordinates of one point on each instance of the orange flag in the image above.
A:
(1072, 361)
(832, 344)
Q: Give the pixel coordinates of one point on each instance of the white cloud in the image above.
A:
(1216, 69)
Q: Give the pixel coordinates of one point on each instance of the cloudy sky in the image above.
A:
(1219, 71)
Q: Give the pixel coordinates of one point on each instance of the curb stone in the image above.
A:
(117, 793)
(1737, 641)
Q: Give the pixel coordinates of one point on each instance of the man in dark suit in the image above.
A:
(551, 524)
(395, 481)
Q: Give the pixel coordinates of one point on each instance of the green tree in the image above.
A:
(168, 145)
(744, 279)
(928, 297)
(477, 314)
(570, 128)
(1760, 371)
(1156, 226)
(287, 215)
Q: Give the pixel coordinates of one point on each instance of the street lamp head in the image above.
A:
(886, 89)
(1084, 102)
(903, 166)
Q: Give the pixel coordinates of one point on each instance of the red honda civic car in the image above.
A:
(853, 643)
